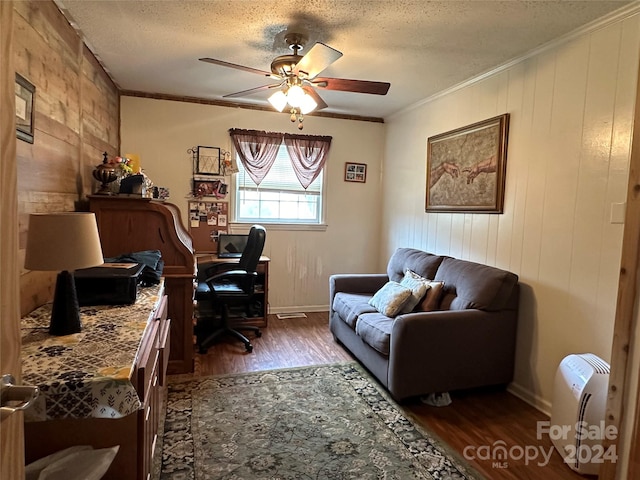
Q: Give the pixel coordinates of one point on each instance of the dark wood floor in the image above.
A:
(476, 421)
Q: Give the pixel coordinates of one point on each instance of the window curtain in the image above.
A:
(308, 155)
(257, 150)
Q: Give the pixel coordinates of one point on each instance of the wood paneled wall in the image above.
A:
(77, 115)
(571, 112)
(11, 429)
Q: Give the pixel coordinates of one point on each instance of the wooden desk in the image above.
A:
(128, 225)
(103, 386)
(262, 287)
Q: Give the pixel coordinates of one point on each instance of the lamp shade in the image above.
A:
(308, 104)
(295, 95)
(278, 100)
(63, 241)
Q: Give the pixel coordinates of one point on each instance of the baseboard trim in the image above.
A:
(299, 308)
(531, 398)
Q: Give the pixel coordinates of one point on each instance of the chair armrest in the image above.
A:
(207, 270)
(230, 275)
(356, 283)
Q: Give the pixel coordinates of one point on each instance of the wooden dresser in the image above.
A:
(104, 386)
(133, 224)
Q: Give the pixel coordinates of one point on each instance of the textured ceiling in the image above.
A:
(420, 47)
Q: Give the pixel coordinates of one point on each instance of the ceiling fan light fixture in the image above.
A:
(308, 104)
(295, 95)
(278, 100)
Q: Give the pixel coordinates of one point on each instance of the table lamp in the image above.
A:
(63, 241)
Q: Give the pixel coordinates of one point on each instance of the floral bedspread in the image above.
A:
(87, 374)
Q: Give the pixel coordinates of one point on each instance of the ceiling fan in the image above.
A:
(297, 78)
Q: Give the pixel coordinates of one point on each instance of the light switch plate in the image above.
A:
(617, 212)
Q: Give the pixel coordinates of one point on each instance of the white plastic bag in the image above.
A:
(437, 399)
(81, 462)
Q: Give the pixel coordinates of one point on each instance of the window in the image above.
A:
(280, 198)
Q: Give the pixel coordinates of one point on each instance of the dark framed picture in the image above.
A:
(466, 168)
(25, 94)
(355, 172)
(207, 187)
(208, 161)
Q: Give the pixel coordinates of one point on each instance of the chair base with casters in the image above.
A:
(226, 329)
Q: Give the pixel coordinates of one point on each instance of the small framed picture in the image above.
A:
(208, 161)
(205, 188)
(25, 93)
(355, 172)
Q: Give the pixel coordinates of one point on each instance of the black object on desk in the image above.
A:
(108, 284)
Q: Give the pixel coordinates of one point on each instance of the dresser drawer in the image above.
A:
(148, 361)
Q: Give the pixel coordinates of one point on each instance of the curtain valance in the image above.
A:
(258, 150)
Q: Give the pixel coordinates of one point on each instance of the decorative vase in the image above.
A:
(105, 173)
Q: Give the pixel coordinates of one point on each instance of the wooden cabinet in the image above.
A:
(130, 224)
(260, 308)
(136, 433)
(150, 380)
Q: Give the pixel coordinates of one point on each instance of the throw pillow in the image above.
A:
(390, 299)
(431, 300)
(418, 288)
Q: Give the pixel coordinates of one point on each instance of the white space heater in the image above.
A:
(577, 415)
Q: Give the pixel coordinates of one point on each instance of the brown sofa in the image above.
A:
(469, 341)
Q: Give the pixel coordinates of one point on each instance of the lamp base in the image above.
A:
(65, 314)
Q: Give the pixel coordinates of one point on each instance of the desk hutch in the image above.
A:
(132, 224)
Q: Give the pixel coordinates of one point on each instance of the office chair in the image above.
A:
(234, 287)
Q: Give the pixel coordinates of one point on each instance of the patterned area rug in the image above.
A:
(320, 422)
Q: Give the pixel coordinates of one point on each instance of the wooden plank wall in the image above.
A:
(77, 117)
(11, 429)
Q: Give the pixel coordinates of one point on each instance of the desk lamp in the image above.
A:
(63, 241)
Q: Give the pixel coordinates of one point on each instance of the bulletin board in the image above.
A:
(207, 220)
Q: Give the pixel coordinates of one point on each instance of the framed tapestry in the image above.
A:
(466, 168)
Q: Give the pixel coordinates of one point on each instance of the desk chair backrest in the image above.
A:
(252, 252)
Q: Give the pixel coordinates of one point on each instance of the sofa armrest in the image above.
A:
(356, 283)
(451, 348)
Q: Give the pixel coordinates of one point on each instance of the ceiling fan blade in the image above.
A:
(312, 92)
(251, 90)
(236, 66)
(316, 60)
(358, 86)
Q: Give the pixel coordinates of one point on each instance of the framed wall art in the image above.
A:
(208, 187)
(355, 172)
(25, 94)
(466, 168)
(208, 161)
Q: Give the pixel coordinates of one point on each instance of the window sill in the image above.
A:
(241, 227)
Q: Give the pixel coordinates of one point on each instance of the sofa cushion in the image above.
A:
(350, 305)
(375, 330)
(390, 299)
(418, 286)
(423, 263)
(472, 285)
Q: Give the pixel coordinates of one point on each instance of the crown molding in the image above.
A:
(621, 14)
(248, 106)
